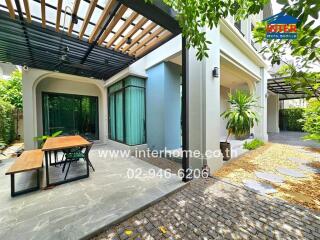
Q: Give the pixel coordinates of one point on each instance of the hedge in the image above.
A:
(7, 123)
(289, 119)
(312, 120)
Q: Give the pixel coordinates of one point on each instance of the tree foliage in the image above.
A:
(11, 89)
(7, 130)
(312, 120)
(194, 15)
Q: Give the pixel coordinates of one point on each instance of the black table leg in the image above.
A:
(48, 161)
(12, 185)
(47, 168)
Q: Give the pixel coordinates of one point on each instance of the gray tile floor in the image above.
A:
(77, 209)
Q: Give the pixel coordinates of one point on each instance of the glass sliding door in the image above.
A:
(71, 114)
(127, 111)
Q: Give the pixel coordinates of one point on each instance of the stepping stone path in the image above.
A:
(291, 172)
(298, 160)
(271, 177)
(261, 188)
(309, 169)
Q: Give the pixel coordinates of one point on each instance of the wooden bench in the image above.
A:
(28, 161)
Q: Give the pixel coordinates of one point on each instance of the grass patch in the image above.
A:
(254, 144)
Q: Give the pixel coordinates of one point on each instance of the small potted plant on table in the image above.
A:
(240, 117)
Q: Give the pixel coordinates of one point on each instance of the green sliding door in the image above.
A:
(71, 114)
(127, 111)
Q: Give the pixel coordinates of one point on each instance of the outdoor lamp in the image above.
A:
(129, 41)
(74, 18)
(215, 72)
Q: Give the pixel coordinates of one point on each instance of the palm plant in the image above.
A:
(241, 116)
(42, 139)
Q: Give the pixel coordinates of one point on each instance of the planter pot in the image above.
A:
(242, 137)
(225, 148)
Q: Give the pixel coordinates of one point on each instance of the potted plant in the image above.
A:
(240, 117)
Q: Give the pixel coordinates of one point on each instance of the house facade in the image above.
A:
(140, 107)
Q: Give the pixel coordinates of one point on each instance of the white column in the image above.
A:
(204, 104)
(273, 113)
(260, 130)
(29, 121)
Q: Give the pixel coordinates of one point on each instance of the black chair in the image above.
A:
(74, 155)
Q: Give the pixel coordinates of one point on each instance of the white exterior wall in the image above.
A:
(204, 104)
(35, 81)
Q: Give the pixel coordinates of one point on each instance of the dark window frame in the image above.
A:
(70, 94)
(123, 90)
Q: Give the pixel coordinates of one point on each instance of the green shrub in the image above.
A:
(311, 121)
(7, 124)
(290, 119)
(255, 143)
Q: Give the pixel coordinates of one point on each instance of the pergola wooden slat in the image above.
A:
(127, 23)
(153, 43)
(59, 7)
(107, 10)
(10, 8)
(112, 24)
(146, 40)
(92, 6)
(140, 36)
(74, 14)
(27, 8)
(141, 22)
(43, 13)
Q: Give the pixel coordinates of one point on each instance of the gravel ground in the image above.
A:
(304, 191)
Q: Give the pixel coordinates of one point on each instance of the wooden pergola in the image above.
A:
(96, 38)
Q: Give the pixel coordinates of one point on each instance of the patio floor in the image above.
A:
(79, 209)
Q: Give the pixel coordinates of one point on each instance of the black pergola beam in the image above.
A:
(95, 42)
(157, 12)
(23, 25)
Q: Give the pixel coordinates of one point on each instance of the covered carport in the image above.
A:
(279, 91)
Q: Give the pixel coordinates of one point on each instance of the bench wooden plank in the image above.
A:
(29, 160)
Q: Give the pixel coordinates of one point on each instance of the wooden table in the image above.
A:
(63, 143)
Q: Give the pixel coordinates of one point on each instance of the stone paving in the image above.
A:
(213, 209)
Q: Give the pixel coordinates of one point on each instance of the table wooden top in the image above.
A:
(59, 143)
(29, 160)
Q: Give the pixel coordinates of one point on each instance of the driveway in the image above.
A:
(292, 138)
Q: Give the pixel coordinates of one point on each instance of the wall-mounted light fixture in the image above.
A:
(215, 72)
(129, 40)
(74, 18)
